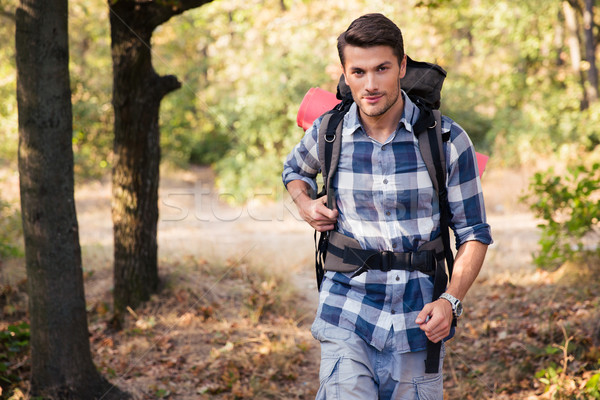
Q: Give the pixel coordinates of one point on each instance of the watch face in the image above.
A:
(459, 310)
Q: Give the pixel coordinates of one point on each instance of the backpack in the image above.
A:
(422, 83)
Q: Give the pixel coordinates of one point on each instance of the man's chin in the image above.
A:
(370, 111)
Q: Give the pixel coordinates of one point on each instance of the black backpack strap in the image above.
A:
(329, 148)
(429, 134)
(330, 145)
(439, 160)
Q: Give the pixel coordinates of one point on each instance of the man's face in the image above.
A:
(373, 75)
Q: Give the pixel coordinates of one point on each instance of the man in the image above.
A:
(373, 327)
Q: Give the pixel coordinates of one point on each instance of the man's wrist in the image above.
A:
(299, 191)
(457, 307)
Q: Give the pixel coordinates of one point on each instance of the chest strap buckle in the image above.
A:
(387, 261)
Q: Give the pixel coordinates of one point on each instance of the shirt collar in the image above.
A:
(410, 115)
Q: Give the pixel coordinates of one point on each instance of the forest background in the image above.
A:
(514, 83)
(518, 81)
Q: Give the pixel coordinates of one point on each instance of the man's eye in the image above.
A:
(381, 69)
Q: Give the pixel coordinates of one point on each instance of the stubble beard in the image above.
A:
(377, 112)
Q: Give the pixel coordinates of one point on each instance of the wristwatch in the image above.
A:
(457, 308)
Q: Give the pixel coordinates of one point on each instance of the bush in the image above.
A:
(570, 205)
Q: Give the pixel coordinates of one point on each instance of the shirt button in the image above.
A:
(385, 181)
(397, 278)
(388, 213)
(394, 245)
(393, 312)
(383, 148)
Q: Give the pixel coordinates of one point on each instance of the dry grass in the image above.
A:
(214, 332)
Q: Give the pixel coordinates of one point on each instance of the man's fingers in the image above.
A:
(323, 228)
(432, 320)
(316, 213)
(422, 317)
(322, 223)
(435, 338)
(326, 211)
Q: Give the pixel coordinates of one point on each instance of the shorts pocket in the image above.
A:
(328, 368)
(429, 387)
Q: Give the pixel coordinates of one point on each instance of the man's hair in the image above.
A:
(372, 30)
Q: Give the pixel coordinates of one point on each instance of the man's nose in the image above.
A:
(371, 83)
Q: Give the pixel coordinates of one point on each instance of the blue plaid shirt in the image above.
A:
(386, 201)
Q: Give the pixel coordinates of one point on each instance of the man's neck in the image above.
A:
(381, 127)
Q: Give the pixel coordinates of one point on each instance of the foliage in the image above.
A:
(91, 88)
(14, 348)
(560, 384)
(505, 86)
(245, 66)
(242, 97)
(570, 205)
(10, 230)
(8, 85)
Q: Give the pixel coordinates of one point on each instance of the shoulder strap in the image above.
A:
(432, 150)
(431, 143)
(330, 145)
(439, 161)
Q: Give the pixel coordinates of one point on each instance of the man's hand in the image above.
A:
(316, 213)
(435, 319)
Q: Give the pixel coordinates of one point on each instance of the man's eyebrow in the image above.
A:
(383, 64)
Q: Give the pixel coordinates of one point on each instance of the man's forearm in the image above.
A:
(299, 191)
(467, 265)
(315, 212)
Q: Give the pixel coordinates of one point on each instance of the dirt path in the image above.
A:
(195, 221)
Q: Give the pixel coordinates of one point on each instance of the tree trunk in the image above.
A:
(590, 49)
(61, 363)
(137, 93)
(575, 49)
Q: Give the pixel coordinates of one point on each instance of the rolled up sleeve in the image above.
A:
(465, 195)
(303, 161)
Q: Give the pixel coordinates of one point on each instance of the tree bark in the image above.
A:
(137, 93)
(61, 362)
(574, 43)
(590, 50)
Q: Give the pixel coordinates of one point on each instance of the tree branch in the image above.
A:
(161, 13)
(145, 16)
(168, 84)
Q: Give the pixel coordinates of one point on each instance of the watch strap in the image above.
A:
(454, 302)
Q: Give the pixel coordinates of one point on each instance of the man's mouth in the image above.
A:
(373, 98)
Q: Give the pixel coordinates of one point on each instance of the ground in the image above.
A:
(238, 296)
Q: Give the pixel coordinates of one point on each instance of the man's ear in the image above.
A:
(403, 67)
